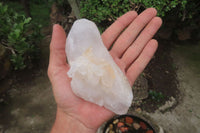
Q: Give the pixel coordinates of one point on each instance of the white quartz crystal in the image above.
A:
(95, 76)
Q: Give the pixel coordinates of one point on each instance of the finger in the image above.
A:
(141, 62)
(110, 35)
(135, 49)
(57, 48)
(130, 34)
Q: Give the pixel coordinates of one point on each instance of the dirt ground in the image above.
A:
(28, 108)
(161, 76)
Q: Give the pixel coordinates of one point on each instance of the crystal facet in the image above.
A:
(95, 76)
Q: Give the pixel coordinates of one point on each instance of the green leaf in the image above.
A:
(18, 61)
(4, 9)
(27, 20)
(17, 33)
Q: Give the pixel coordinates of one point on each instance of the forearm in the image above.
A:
(67, 124)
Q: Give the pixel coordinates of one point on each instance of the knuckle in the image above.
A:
(140, 21)
(149, 33)
(120, 22)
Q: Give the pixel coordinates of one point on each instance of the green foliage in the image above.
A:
(39, 10)
(20, 36)
(60, 2)
(101, 10)
(163, 6)
(157, 96)
(40, 13)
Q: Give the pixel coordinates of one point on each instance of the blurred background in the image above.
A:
(167, 91)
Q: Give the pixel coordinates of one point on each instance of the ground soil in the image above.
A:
(161, 76)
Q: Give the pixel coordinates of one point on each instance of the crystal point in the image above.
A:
(95, 76)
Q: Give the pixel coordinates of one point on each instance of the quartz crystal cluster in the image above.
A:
(95, 76)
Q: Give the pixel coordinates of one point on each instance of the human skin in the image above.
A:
(132, 50)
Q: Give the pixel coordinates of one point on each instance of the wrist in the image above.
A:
(67, 124)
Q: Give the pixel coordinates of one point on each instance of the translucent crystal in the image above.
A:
(95, 76)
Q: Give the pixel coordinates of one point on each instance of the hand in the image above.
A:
(132, 50)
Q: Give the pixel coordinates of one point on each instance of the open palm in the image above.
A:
(132, 50)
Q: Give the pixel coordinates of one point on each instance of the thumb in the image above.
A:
(57, 57)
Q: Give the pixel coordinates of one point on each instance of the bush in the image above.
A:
(103, 10)
(20, 36)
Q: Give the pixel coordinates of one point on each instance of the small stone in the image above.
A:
(149, 131)
(136, 126)
(168, 104)
(124, 129)
(109, 19)
(139, 110)
(143, 125)
(137, 103)
(129, 120)
(107, 130)
(111, 126)
(120, 124)
(111, 131)
(116, 121)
